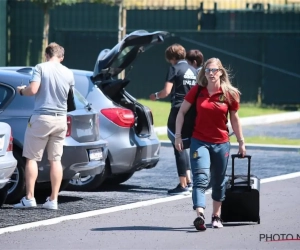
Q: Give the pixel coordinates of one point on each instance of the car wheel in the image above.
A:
(43, 189)
(16, 186)
(88, 183)
(118, 179)
(3, 194)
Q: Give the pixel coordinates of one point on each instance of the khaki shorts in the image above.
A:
(45, 131)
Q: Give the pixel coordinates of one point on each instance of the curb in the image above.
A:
(254, 120)
(283, 148)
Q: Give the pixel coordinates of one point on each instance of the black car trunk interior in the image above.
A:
(114, 89)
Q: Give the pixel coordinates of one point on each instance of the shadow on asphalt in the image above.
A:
(129, 188)
(151, 228)
(144, 228)
(231, 224)
(61, 199)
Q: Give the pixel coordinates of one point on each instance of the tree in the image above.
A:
(46, 5)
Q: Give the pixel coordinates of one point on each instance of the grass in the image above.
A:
(160, 111)
(259, 140)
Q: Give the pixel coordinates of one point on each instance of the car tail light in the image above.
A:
(10, 144)
(69, 124)
(121, 117)
(151, 117)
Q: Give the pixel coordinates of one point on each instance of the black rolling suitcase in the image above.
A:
(241, 203)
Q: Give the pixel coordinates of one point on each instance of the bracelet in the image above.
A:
(21, 91)
(156, 96)
(241, 140)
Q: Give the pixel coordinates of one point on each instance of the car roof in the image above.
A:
(13, 75)
(27, 70)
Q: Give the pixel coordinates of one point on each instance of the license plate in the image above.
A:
(1, 142)
(95, 154)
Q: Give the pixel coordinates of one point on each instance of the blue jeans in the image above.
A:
(209, 164)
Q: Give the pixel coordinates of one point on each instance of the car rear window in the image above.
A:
(5, 95)
(79, 99)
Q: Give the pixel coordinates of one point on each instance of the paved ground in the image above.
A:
(258, 121)
(169, 226)
(166, 225)
(146, 185)
(289, 130)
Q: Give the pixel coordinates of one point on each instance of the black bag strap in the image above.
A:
(198, 92)
(233, 156)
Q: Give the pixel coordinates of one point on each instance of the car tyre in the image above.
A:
(117, 179)
(43, 190)
(88, 183)
(15, 193)
(3, 194)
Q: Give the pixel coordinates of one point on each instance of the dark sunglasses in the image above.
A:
(207, 70)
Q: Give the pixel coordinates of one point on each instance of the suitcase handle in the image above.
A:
(233, 156)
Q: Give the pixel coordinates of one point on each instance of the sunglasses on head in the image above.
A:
(214, 70)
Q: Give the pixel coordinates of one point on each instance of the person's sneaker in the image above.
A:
(190, 186)
(26, 203)
(179, 190)
(199, 223)
(50, 204)
(216, 222)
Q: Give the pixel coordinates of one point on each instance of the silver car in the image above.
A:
(8, 163)
(84, 151)
(125, 123)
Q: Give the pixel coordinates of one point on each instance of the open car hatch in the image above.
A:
(111, 62)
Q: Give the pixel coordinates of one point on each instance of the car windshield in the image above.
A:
(80, 101)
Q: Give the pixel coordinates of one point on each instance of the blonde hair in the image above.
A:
(231, 93)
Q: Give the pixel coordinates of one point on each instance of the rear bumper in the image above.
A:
(80, 162)
(75, 160)
(144, 154)
(88, 168)
(8, 165)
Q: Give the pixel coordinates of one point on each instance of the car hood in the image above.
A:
(111, 62)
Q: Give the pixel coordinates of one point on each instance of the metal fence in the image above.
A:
(260, 46)
(2, 32)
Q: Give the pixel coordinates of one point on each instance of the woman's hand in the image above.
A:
(178, 144)
(242, 148)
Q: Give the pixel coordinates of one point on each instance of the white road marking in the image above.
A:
(121, 208)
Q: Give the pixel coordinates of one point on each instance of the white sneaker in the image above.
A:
(50, 204)
(25, 203)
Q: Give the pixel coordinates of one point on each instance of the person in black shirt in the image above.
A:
(180, 79)
(195, 58)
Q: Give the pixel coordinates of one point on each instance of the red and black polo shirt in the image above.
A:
(212, 112)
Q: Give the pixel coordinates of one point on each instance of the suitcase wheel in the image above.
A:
(258, 222)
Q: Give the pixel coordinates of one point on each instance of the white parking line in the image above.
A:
(121, 208)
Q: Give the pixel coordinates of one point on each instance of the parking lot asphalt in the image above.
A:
(166, 222)
(168, 225)
(146, 185)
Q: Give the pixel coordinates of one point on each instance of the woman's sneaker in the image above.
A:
(26, 203)
(179, 190)
(216, 222)
(199, 223)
